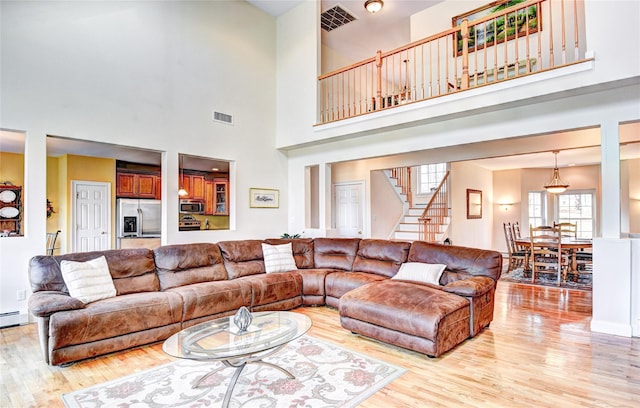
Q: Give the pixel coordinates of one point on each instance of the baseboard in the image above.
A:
(617, 329)
(13, 319)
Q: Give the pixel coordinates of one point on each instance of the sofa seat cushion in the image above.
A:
(339, 283)
(273, 287)
(405, 307)
(114, 317)
(313, 281)
(212, 298)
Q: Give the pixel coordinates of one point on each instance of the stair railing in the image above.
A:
(435, 212)
(403, 178)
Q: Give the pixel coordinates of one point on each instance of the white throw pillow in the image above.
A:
(278, 258)
(88, 281)
(420, 272)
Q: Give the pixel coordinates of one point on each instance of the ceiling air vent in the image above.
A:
(335, 17)
(222, 117)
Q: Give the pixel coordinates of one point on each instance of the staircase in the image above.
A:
(420, 222)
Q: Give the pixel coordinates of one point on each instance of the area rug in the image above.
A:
(326, 376)
(581, 281)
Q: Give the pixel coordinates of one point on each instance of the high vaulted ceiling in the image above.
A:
(385, 30)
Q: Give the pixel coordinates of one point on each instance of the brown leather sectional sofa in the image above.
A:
(160, 292)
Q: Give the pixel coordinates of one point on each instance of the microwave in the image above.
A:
(191, 207)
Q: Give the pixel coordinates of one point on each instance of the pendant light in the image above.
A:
(556, 185)
(181, 192)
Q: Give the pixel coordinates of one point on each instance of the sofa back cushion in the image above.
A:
(381, 257)
(462, 262)
(335, 253)
(184, 264)
(242, 258)
(302, 250)
(132, 270)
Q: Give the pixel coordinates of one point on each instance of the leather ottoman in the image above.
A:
(417, 317)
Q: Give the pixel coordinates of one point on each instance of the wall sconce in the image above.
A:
(373, 6)
(505, 207)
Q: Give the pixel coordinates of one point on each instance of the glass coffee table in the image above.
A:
(221, 340)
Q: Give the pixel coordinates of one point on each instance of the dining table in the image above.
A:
(572, 244)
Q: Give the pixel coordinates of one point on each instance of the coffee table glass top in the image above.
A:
(221, 338)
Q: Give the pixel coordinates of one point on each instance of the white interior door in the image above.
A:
(91, 213)
(349, 209)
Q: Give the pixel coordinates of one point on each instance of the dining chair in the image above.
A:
(517, 256)
(567, 229)
(51, 241)
(583, 259)
(547, 254)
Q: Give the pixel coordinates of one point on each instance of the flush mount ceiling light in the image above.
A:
(373, 6)
(556, 185)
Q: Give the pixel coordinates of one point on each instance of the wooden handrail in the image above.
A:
(456, 59)
(437, 208)
(403, 178)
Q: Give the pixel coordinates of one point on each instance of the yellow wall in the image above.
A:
(82, 168)
(12, 168)
(55, 222)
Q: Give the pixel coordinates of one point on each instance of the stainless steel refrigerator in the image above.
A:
(138, 218)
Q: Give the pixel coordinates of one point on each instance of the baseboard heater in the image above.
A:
(12, 319)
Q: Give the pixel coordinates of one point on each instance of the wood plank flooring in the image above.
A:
(538, 352)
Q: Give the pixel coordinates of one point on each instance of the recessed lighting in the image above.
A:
(214, 169)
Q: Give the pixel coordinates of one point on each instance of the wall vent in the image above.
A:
(223, 117)
(335, 17)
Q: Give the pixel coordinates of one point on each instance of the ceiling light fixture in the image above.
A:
(556, 185)
(373, 6)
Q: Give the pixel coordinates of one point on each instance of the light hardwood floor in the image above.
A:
(538, 352)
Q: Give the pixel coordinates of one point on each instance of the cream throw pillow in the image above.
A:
(420, 272)
(278, 258)
(88, 281)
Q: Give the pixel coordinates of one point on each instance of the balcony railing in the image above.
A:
(528, 38)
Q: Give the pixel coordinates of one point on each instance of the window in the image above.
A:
(537, 209)
(577, 208)
(430, 176)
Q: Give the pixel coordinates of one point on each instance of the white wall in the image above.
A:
(478, 232)
(148, 75)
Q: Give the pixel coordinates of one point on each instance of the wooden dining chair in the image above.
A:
(583, 259)
(567, 229)
(547, 254)
(517, 256)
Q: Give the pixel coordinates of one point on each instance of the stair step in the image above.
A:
(408, 226)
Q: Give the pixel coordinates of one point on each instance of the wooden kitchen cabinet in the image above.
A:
(216, 201)
(195, 185)
(221, 190)
(209, 197)
(135, 185)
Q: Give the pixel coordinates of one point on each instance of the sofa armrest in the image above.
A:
(471, 287)
(46, 303)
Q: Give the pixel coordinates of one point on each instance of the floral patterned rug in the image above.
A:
(582, 280)
(326, 376)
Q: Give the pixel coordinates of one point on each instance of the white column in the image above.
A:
(610, 170)
(611, 254)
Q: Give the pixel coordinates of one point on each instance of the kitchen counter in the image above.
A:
(135, 242)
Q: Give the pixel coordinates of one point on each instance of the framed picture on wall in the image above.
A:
(474, 204)
(504, 27)
(264, 198)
